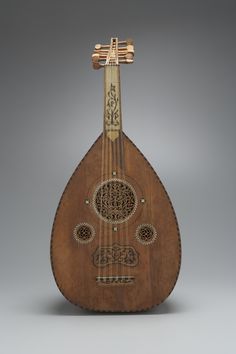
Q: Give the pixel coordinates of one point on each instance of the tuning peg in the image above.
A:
(102, 51)
(129, 56)
(130, 48)
(105, 54)
(129, 41)
(99, 46)
(95, 61)
(126, 61)
(122, 42)
(95, 57)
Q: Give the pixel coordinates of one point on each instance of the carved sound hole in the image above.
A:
(84, 233)
(115, 201)
(146, 234)
(115, 254)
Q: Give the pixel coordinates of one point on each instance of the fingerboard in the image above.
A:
(112, 102)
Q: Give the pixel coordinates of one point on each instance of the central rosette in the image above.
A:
(115, 201)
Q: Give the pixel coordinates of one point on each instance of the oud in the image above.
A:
(115, 242)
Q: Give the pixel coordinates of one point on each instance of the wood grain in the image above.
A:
(155, 274)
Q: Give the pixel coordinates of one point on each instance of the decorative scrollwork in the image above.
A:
(112, 114)
(146, 234)
(115, 201)
(84, 233)
(106, 255)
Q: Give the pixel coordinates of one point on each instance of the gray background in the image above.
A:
(179, 108)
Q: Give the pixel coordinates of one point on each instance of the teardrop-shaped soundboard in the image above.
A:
(115, 242)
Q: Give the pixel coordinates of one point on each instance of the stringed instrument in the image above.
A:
(115, 242)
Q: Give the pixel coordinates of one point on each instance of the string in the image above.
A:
(118, 152)
(112, 159)
(106, 168)
(112, 152)
(114, 168)
(107, 212)
(101, 181)
(117, 155)
(123, 178)
(114, 80)
(110, 172)
(117, 164)
(109, 80)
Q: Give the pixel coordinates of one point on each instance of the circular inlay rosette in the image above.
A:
(84, 232)
(115, 200)
(146, 234)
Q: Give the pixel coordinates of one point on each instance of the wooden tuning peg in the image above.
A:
(95, 61)
(98, 46)
(130, 48)
(129, 41)
(129, 56)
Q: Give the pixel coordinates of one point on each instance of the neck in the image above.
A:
(112, 102)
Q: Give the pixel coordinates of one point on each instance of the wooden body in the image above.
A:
(156, 268)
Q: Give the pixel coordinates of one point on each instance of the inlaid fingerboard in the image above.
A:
(112, 102)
